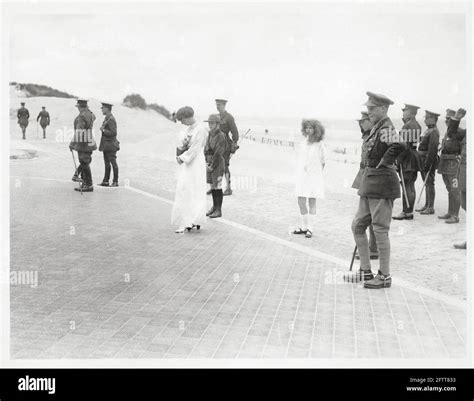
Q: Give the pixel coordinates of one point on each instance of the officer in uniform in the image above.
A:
(228, 125)
(23, 115)
(460, 134)
(214, 152)
(44, 120)
(84, 143)
(409, 162)
(428, 151)
(109, 145)
(448, 167)
(379, 187)
(365, 127)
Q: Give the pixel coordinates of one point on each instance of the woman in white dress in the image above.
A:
(309, 174)
(189, 208)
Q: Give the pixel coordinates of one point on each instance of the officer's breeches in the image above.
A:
(454, 195)
(379, 213)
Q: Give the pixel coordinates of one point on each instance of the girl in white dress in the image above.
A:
(189, 208)
(309, 174)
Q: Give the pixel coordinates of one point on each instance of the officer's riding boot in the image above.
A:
(429, 200)
(115, 170)
(214, 202)
(228, 190)
(218, 209)
(450, 208)
(455, 206)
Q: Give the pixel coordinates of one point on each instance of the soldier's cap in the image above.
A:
(184, 112)
(450, 113)
(108, 105)
(22, 103)
(81, 103)
(376, 99)
(363, 116)
(215, 118)
(223, 101)
(431, 114)
(410, 107)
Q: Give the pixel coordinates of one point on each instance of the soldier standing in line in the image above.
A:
(109, 145)
(428, 151)
(84, 143)
(215, 164)
(365, 127)
(379, 187)
(228, 125)
(23, 115)
(44, 120)
(460, 134)
(409, 161)
(448, 167)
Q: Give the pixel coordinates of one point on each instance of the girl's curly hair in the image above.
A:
(318, 134)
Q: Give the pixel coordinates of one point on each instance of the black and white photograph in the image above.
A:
(236, 184)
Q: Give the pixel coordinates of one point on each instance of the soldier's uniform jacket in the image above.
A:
(227, 125)
(83, 139)
(23, 115)
(428, 148)
(460, 134)
(108, 140)
(380, 149)
(43, 118)
(451, 146)
(409, 159)
(214, 151)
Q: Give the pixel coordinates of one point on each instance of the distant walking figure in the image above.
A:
(309, 174)
(44, 120)
(189, 208)
(23, 115)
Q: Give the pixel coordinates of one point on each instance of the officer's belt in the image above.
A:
(446, 153)
(375, 163)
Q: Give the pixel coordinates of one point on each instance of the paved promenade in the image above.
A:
(115, 281)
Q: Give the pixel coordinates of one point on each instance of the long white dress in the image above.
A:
(190, 198)
(309, 170)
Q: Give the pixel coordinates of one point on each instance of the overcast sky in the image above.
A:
(302, 59)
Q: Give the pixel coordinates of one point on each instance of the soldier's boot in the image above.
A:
(452, 220)
(218, 210)
(421, 209)
(379, 281)
(228, 190)
(462, 245)
(358, 276)
(211, 210)
(115, 184)
(444, 216)
(104, 184)
(428, 210)
(401, 216)
(85, 188)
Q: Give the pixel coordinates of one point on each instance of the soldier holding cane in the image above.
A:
(428, 151)
(408, 162)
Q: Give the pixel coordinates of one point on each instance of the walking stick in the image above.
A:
(403, 186)
(424, 183)
(243, 136)
(353, 257)
(75, 166)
